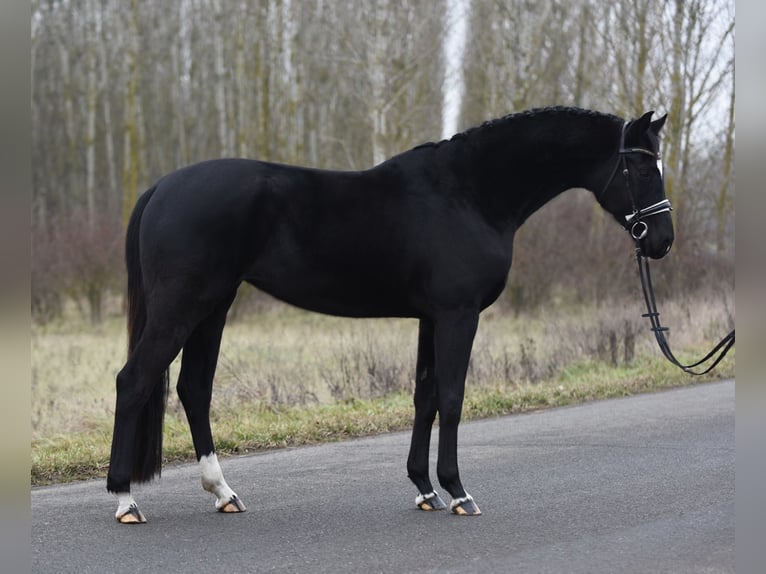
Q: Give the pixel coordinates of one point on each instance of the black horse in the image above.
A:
(427, 234)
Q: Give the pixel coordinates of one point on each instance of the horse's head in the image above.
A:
(635, 191)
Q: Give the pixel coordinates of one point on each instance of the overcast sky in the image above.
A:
(454, 45)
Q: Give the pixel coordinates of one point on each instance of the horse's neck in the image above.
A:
(517, 172)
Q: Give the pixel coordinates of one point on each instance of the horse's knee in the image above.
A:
(425, 412)
(450, 410)
(425, 394)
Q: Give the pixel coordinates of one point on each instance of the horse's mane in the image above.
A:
(514, 117)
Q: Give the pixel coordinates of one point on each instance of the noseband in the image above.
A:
(634, 222)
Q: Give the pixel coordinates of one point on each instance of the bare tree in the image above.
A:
(132, 142)
(122, 93)
(113, 199)
(91, 101)
(696, 37)
(724, 204)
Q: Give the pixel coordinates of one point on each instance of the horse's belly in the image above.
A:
(343, 293)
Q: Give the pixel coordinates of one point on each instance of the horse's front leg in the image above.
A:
(425, 412)
(453, 339)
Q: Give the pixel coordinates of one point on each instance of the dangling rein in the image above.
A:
(659, 331)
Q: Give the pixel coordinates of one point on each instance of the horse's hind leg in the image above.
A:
(425, 412)
(141, 385)
(195, 385)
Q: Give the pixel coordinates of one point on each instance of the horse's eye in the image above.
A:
(644, 172)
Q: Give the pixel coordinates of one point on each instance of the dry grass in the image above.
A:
(289, 377)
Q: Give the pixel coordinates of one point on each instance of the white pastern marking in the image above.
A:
(124, 502)
(213, 481)
(423, 497)
(459, 501)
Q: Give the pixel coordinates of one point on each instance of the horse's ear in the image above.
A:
(638, 127)
(656, 125)
(642, 124)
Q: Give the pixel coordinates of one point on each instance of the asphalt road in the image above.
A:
(641, 484)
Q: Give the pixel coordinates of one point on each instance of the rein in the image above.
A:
(638, 229)
(659, 331)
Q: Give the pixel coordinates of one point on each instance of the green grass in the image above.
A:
(255, 427)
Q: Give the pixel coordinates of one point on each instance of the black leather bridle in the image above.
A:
(635, 222)
(638, 228)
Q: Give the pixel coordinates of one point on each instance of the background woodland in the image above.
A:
(124, 91)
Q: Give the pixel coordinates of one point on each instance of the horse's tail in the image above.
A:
(147, 450)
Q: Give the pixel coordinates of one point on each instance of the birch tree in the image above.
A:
(91, 101)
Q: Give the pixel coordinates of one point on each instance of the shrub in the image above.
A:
(79, 259)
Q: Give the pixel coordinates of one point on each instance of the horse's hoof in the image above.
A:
(465, 506)
(132, 516)
(430, 501)
(234, 505)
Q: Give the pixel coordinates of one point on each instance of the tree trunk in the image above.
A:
(131, 158)
(722, 201)
(220, 81)
(112, 200)
(91, 104)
